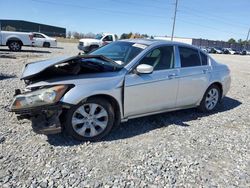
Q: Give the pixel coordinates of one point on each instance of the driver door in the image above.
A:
(146, 93)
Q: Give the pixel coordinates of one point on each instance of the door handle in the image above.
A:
(171, 76)
(205, 71)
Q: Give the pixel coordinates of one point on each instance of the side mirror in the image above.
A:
(144, 69)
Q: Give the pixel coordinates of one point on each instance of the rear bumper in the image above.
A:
(226, 85)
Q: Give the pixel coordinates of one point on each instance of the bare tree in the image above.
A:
(69, 34)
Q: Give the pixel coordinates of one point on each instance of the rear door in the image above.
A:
(194, 76)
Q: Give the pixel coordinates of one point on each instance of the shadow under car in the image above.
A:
(138, 126)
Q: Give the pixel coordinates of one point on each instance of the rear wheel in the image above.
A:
(91, 120)
(46, 44)
(15, 46)
(210, 99)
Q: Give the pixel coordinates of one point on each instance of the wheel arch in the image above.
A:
(219, 85)
(46, 44)
(14, 39)
(113, 102)
(94, 45)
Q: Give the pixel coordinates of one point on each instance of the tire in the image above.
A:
(210, 99)
(90, 120)
(46, 44)
(93, 48)
(15, 46)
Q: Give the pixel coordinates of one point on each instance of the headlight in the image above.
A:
(39, 98)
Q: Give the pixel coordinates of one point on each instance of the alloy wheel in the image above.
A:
(90, 120)
(212, 98)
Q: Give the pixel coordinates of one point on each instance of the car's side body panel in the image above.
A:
(149, 92)
(221, 74)
(193, 82)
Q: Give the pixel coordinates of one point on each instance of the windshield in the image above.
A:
(122, 52)
(98, 36)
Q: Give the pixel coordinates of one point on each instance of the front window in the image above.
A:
(121, 52)
(98, 36)
(38, 36)
(160, 58)
(108, 38)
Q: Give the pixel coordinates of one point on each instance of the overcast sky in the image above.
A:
(211, 19)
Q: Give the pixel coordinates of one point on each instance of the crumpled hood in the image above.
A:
(34, 68)
(85, 79)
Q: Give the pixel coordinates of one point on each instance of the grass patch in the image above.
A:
(66, 40)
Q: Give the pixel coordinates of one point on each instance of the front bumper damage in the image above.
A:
(45, 119)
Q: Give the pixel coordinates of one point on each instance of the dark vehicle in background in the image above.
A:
(216, 50)
(236, 51)
(204, 49)
(228, 51)
(245, 52)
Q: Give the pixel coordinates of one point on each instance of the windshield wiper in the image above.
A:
(102, 57)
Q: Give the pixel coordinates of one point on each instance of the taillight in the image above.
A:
(31, 37)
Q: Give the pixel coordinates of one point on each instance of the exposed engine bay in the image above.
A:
(75, 66)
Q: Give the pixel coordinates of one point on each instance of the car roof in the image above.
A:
(38, 33)
(150, 42)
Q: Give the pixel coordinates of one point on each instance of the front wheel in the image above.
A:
(90, 121)
(46, 44)
(210, 99)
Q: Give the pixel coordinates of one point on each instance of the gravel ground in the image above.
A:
(178, 149)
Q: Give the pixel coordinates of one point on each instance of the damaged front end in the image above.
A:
(42, 107)
(46, 84)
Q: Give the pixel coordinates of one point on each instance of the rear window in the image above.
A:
(189, 57)
(203, 59)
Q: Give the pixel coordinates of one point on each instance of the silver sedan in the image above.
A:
(87, 95)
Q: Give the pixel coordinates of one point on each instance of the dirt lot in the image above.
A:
(178, 149)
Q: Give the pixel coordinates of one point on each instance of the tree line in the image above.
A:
(240, 41)
(78, 35)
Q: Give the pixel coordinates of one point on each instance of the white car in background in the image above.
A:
(89, 44)
(229, 51)
(42, 40)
